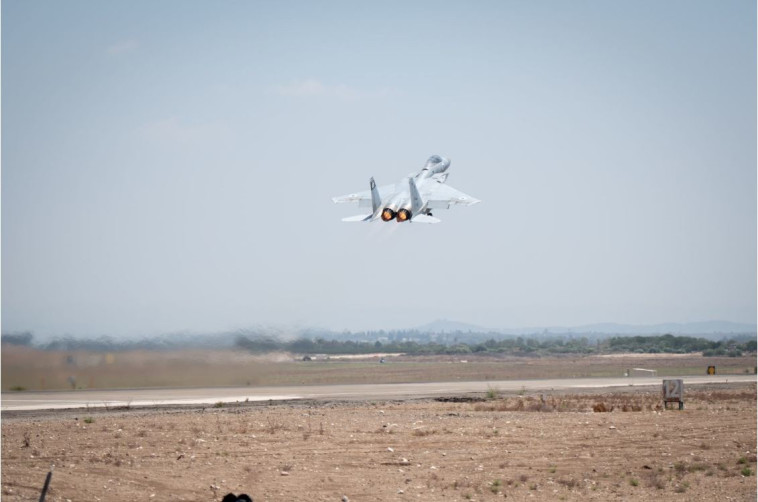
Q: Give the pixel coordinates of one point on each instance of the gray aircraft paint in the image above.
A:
(411, 199)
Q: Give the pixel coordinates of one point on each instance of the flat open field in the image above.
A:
(523, 447)
(29, 369)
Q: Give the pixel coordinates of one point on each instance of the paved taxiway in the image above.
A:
(44, 400)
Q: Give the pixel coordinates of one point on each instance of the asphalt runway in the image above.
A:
(48, 400)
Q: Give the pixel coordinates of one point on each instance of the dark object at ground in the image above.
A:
(461, 399)
(47, 484)
(230, 497)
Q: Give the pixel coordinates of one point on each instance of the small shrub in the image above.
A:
(655, 481)
(568, 483)
(273, 425)
(89, 420)
(219, 404)
(18, 388)
(682, 487)
(424, 432)
(746, 471)
(495, 486)
(492, 393)
(680, 468)
(634, 482)
(696, 467)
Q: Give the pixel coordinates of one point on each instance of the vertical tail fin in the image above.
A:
(417, 205)
(376, 201)
(416, 202)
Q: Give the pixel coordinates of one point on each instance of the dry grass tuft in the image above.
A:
(574, 403)
(424, 432)
(569, 483)
(601, 408)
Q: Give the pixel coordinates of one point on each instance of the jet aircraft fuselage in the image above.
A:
(411, 199)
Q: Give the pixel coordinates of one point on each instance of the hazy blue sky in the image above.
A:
(169, 165)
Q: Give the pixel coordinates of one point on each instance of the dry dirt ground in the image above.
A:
(519, 447)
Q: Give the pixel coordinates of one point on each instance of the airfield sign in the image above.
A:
(673, 390)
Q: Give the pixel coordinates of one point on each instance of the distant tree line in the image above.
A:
(517, 346)
(679, 345)
(110, 344)
(408, 342)
(24, 338)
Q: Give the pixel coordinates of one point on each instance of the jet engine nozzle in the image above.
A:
(388, 214)
(403, 215)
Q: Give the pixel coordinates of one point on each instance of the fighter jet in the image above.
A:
(412, 199)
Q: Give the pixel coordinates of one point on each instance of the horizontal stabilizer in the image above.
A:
(424, 218)
(359, 217)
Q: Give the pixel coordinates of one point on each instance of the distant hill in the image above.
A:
(445, 326)
(690, 328)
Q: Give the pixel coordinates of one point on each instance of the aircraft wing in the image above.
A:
(364, 198)
(441, 196)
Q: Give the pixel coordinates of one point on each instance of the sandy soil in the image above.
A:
(520, 447)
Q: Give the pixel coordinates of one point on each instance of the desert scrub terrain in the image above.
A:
(528, 446)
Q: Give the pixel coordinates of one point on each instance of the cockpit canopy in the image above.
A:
(432, 161)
